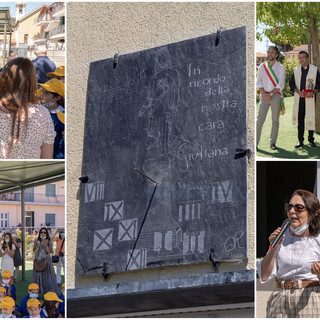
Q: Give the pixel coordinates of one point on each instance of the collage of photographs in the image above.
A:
(159, 159)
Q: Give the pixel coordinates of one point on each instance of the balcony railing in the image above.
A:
(30, 229)
(46, 17)
(33, 197)
(41, 36)
(43, 19)
(58, 30)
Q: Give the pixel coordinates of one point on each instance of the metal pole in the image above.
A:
(10, 42)
(23, 222)
(5, 40)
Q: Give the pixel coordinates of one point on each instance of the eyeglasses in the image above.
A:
(297, 207)
(43, 232)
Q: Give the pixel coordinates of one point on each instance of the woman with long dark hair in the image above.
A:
(7, 253)
(50, 308)
(26, 129)
(43, 272)
(295, 261)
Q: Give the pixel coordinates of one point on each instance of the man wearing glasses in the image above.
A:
(305, 81)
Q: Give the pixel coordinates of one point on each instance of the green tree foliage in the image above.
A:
(289, 65)
(291, 23)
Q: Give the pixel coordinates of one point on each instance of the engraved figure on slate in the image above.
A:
(161, 232)
(163, 235)
(161, 104)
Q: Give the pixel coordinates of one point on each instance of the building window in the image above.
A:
(29, 221)
(29, 195)
(4, 219)
(62, 20)
(50, 190)
(26, 36)
(50, 219)
(20, 9)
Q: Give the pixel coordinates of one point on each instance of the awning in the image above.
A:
(5, 19)
(20, 175)
(6, 27)
(15, 175)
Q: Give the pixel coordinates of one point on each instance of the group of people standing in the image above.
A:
(44, 279)
(43, 275)
(304, 82)
(32, 108)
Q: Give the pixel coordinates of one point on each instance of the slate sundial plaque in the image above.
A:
(161, 132)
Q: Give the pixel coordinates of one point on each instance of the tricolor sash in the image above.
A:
(274, 79)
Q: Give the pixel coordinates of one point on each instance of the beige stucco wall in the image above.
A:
(41, 205)
(60, 191)
(27, 26)
(97, 31)
(14, 210)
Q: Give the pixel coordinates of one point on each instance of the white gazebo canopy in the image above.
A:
(21, 175)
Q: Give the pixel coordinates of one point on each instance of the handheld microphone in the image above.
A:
(285, 225)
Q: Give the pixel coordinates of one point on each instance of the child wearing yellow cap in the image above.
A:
(33, 293)
(52, 95)
(34, 309)
(59, 73)
(7, 307)
(51, 305)
(62, 304)
(3, 293)
(7, 283)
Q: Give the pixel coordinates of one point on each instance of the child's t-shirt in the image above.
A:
(58, 149)
(13, 291)
(23, 305)
(44, 313)
(61, 304)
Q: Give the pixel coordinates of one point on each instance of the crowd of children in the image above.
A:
(36, 303)
(30, 306)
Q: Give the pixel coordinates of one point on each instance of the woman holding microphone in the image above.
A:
(295, 261)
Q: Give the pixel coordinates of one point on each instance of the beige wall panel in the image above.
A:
(97, 31)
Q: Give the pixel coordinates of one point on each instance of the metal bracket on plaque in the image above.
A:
(215, 263)
(84, 179)
(240, 153)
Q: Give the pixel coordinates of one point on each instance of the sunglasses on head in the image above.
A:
(297, 207)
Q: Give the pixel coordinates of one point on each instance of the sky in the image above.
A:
(262, 46)
(30, 6)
